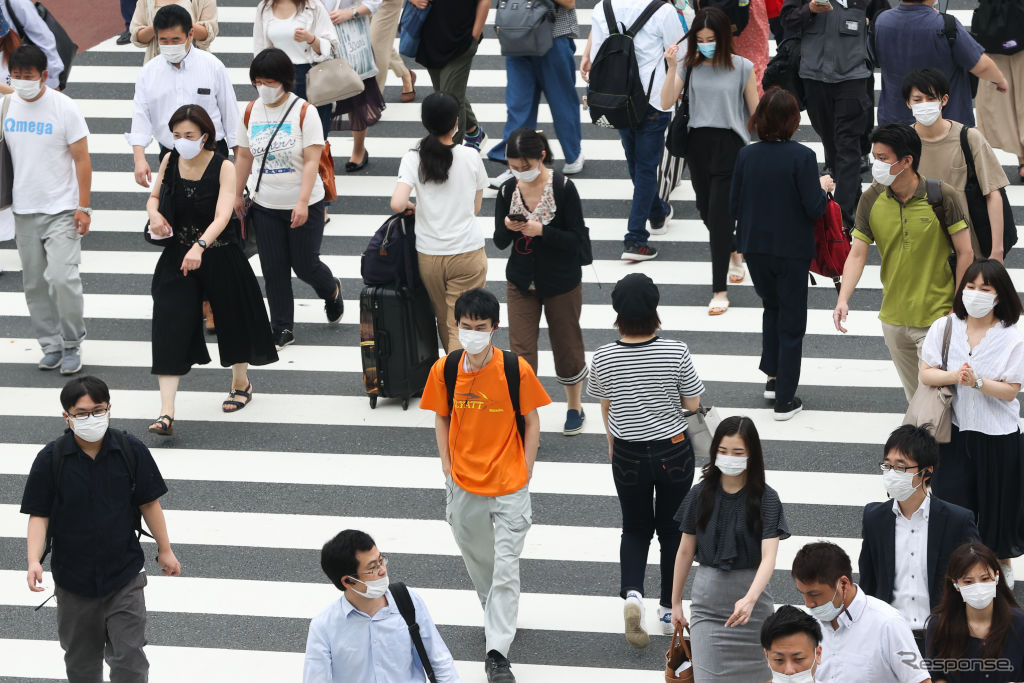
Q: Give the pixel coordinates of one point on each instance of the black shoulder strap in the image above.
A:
(403, 601)
(609, 17)
(949, 29)
(965, 147)
(451, 375)
(558, 187)
(266, 152)
(933, 188)
(57, 470)
(18, 26)
(652, 7)
(511, 362)
(947, 334)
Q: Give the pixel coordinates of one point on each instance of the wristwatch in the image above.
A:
(355, 12)
(86, 210)
(201, 243)
(979, 383)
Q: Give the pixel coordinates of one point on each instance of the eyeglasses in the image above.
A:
(96, 412)
(376, 566)
(885, 467)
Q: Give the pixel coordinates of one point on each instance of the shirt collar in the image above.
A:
(347, 608)
(855, 610)
(923, 510)
(920, 193)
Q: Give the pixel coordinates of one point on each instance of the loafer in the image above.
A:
(71, 362)
(498, 668)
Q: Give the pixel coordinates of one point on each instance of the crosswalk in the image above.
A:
(254, 495)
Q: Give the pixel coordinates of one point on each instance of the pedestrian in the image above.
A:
(648, 442)
(837, 83)
(287, 212)
(9, 42)
(127, 11)
(183, 76)
(449, 182)
(383, 27)
(926, 93)
(909, 539)
(488, 446)
(49, 144)
(732, 522)
(142, 31)
(723, 95)
(202, 258)
(914, 244)
(456, 28)
(779, 245)
(752, 42)
(999, 111)
(978, 623)
(543, 270)
(980, 468)
(87, 493)
(643, 144)
(554, 75)
(791, 639)
(863, 638)
(34, 31)
(914, 36)
(362, 636)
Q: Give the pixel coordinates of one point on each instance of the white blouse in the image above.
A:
(999, 356)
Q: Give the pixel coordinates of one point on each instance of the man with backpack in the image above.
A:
(24, 18)
(378, 631)
(86, 496)
(916, 223)
(625, 69)
(488, 431)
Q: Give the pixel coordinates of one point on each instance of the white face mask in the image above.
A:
(90, 428)
(899, 485)
(827, 612)
(475, 341)
(174, 53)
(189, 149)
(27, 90)
(526, 176)
(731, 465)
(880, 171)
(926, 113)
(978, 303)
(268, 94)
(802, 677)
(374, 589)
(979, 595)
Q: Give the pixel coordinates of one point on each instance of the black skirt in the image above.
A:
(363, 110)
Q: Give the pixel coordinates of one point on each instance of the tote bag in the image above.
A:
(932, 407)
(677, 658)
(356, 48)
(702, 425)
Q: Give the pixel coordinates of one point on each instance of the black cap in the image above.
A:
(635, 296)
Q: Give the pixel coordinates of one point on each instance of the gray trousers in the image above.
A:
(490, 533)
(50, 250)
(112, 627)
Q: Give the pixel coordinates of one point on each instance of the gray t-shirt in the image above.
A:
(716, 96)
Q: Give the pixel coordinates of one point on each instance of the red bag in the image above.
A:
(773, 7)
(831, 243)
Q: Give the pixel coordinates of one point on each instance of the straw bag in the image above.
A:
(932, 407)
(332, 81)
(678, 653)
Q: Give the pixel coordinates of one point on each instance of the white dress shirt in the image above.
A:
(873, 644)
(162, 88)
(40, 35)
(910, 594)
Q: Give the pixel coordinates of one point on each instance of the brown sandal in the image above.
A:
(411, 95)
(238, 405)
(166, 427)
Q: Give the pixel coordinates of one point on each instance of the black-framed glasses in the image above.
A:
(885, 467)
(96, 412)
(376, 566)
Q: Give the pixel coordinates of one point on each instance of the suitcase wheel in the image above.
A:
(405, 404)
(373, 402)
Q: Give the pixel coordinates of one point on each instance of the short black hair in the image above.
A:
(90, 386)
(903, 139)
(527, 143)
(638, 327)
(787, 621)
(27, 57)
(917, 443)
(477, 304)
(930, 82)
(198, 116)
(275, 65)
(338, 556)
(994, 274)
(821, 562)
(172, 16)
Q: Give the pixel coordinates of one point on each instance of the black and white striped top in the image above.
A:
(643, 382)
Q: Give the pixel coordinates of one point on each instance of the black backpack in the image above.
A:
(999, 26)
(616, 95)
(66, 48)
(738, 12)
(390, 257)
(977, 206)
(451, 374)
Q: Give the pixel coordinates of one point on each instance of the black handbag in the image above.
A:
(678, 129)
(977, 206)
(165, 203)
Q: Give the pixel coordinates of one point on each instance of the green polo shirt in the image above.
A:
(917, 283)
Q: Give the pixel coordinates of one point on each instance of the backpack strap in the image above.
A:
(248, 112)
(609, 17)
(949, 29)
(403, 601)
(649, 11)
(451, 375)
(933, 188)
(131, 462)
(965, 147)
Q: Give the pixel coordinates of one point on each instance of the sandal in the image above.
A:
(410, 95)
(1020, 169)
(736, 272)
(718, 306)
(238, 405)
(166, 427)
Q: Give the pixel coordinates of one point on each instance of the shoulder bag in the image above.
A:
(6, 163)
(675, 141)
(331, 81)
(701, 426)
(932, 407)
(326, 167)
(410, 29)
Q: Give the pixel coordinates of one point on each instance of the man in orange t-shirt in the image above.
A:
(487, 464)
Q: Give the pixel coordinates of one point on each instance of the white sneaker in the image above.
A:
(665, 617)
(636, 628)
(496, 183)
(575, 167)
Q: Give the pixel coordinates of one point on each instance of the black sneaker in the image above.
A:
(769, 389)
(283, 339)
(637, 252)
(789, 409)
(124, 38)
(335, 306)
(498, 668)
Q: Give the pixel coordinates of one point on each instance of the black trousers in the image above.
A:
(840, 113)
(711, 154)
(782, 285)
(222, 147)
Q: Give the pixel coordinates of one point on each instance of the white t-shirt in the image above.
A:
(38, 135)
(445, 212)
(282, 177)
(281, 34)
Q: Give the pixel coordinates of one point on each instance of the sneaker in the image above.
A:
(788, 410)
(283, 339)
(575, 167)
(665, 617)
(636, 628)
(476, 140)
(124, 38)
(769, 389)
(659, 226)
(335, 306)
(574, 420)
(505, 176)
(1007, 572)
(638, 252)
(498, 668)
(71, 362)
(51, 360)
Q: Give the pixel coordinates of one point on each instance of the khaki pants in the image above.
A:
(563, 315)
(383, 27)
(905, 348)
(999, 114)
(445, 278)
(453, 78)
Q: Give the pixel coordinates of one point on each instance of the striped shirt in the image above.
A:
(643, 382)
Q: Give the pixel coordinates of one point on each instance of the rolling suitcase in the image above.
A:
(398, 340)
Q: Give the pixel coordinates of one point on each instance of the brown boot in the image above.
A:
(208, 316)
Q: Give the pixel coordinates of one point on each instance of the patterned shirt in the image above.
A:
(565, 23)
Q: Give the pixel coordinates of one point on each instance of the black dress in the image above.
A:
(224, 278)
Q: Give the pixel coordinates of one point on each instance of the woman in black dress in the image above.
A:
(193, 216)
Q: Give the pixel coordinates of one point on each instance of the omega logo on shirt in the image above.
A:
(38, 127)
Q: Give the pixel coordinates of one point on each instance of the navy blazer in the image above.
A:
(949, 526)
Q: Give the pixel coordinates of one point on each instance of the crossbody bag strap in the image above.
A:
(403, 601)
(947, 334)
(266, 152)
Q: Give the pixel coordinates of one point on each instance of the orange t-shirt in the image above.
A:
(487, 455)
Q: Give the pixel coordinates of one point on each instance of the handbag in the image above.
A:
(932, 407)
(701, 430)
(410, 29)
(6, 163)
(675, 141)
(165, 197)
(677, 656)
(247, 239)
(357, 47)
(331, 81)
(326, 167)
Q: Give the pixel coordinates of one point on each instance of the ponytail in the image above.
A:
(439, 114)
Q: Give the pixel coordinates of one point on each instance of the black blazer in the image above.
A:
(949, 526)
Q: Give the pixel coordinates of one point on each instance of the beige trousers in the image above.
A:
(383, 28)
(445, 278)
(905, 348)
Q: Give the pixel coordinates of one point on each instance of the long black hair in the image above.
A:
(711, 476)
(439, 114)
(527, 143)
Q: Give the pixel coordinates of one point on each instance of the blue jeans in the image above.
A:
(554, 74)
(643, 146)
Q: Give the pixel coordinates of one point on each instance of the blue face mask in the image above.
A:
(707, 49)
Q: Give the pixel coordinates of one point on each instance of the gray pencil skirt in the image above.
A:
(720, 654)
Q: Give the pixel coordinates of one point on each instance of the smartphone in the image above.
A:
(827, 3)
(517, 217)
